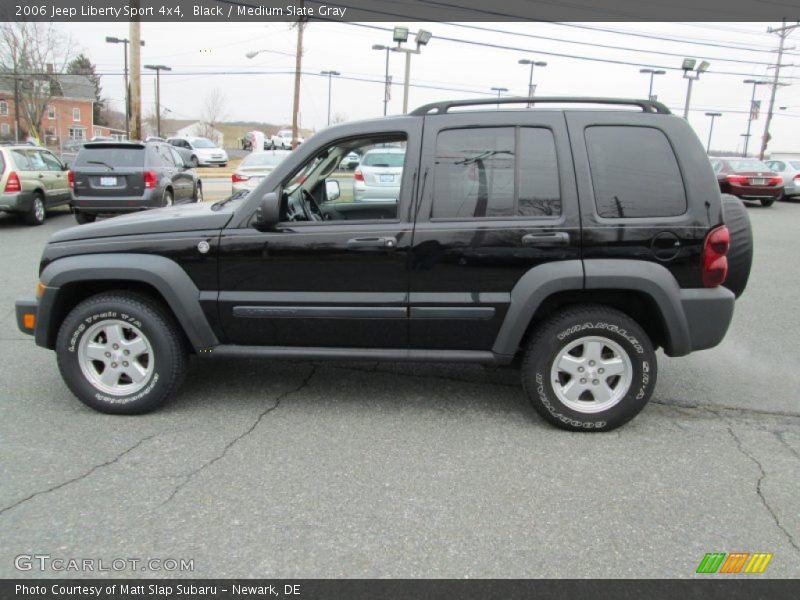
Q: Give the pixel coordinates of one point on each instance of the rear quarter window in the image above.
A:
(634, 172)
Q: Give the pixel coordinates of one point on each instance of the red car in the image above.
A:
(748, 178)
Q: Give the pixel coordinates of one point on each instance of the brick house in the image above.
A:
(69, 114)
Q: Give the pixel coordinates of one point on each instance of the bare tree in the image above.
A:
(214, 111)
(32, 53)
(339, 117)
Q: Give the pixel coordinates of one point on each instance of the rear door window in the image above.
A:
(51, 162)
(21, 160)
(634, 172)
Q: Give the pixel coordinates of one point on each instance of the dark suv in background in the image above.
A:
(571, 243)
(110, 178)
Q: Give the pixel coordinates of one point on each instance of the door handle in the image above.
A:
(41, 176)
(554, 238)
(373, 242)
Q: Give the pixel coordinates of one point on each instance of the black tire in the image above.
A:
(193, 162)
(36, 213)
(767, 202)
(740, 254)
(608, 327)
(223, 165)
(83, 218)
(198, 193)
(168, 199)
(134, 310)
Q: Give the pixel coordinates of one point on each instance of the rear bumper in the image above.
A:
(753, 192)
(98, 205)
(362, 193)
(16, 202)
(708, 315)
(25, 307)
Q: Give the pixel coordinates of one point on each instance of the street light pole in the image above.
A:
(713, 116)
(755, 83)
(330, 75)
(386, 76)
(688, 69)
(652, 73)
(125, 42)
(158, 69)
(400, 35)
(532, 63)
(499, 91)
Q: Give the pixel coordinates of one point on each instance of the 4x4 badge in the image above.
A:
(203, 247)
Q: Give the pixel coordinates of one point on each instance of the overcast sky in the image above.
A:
(219, 49)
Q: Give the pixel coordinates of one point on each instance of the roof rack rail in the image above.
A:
(439, 108)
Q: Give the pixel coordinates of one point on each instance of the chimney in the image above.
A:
(49, 67)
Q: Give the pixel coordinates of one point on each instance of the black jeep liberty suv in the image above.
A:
(571, 239)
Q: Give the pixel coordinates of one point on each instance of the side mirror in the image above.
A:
(332, 190)
(268, 211)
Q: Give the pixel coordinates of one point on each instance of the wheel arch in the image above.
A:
(69, 280)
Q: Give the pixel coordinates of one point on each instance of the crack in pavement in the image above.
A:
(761, 478)
(79, 477)
(282, 396)
(782, 440)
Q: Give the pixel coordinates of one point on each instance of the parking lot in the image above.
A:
(271, 469)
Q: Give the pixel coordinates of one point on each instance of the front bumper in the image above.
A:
(26, 309)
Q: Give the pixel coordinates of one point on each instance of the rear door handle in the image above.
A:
(553, 238)
(372, 242)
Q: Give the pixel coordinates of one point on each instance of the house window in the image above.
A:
(77, 133)
(3, 108)
(76, 114)
(5, 130)
(51, 111)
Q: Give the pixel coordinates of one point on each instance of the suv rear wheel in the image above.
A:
(36, 213)
(121, 353)
(589, 368)
(82, 218)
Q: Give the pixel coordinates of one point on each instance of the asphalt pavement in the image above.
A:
(271, 469)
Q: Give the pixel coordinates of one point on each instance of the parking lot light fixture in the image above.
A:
(499, 91)
(158, 69)
(110, 39)
(400, 34)
(421, 38)
(713, 116)
(330, 75)
(692, 74)
(652, 73)
(386, 91)
(532, 63)
(754, 83)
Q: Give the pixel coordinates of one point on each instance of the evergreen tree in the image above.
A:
(81, 65)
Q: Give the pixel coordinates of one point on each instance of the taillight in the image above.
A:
(150, 179)
(738, 179)
(796, 178)
(71, 179)
(715, 261)
(775, 180)
(358, 175)
(13, 185)
(236, 178)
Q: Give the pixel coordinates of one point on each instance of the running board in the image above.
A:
(379, 354)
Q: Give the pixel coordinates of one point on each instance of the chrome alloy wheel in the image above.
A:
(591, 374)
(116, 357)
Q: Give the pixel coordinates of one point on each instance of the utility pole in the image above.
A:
(136, 78)
(298, 67)
(158, 69)
(782, 32)
(330, 75)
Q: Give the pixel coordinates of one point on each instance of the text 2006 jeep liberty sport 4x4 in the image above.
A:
(572, 240)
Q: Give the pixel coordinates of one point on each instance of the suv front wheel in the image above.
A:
(589, 368)
(121, 353)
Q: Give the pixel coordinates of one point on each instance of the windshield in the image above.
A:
(384, 159)
(263, 159)
(748, 165)
(203, 143)
(114, 157)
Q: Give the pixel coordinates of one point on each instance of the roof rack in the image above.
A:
(648, 106)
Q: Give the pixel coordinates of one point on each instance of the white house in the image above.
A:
(200, 129)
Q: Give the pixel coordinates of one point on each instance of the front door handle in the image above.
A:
(553, 238)
(372, 242)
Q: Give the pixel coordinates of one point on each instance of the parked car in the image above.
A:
(350, 162)
(379, 174)
(255, 167)
(748, 179)
(110, 178)
(570, 242)
(72, 145)
(283, 139)
(789, 170)
(199, 151)
(32, 180)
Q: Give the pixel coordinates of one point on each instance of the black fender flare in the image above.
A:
(163, 274)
